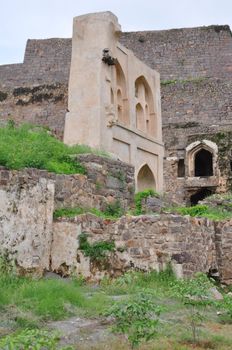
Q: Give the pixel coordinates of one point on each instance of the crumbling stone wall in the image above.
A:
(223, 236)
(37, 243)
(26, 209)
(144, 242)
(106, 180)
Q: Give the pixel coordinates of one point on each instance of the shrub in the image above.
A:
(197, 210)
(96, 251)
(194, 293)
(137, 318)
(31, 339)
(140, 196)
(114, 209)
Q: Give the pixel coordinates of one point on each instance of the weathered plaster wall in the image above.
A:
(26, 209)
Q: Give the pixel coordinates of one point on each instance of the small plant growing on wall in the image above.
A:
(139, 198)
(97, 251)
(114, 209)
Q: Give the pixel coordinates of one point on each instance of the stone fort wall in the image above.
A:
(37, 243)
(195, 66)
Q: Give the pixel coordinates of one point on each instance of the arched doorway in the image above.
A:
(145, 179)
(203, 163)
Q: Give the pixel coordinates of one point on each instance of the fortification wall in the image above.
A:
(36, 91)
(184, 53)
(200, 59)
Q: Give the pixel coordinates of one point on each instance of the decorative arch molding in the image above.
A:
(145, 178)
(144, 96)
(195, 153)
(121, 95)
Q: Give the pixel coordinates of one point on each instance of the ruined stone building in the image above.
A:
(122, 97)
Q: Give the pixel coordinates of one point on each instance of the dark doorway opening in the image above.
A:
(181, 168)
(203, 163)
(200, 195)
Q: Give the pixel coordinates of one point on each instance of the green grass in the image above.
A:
(216, 214)
(47, 299)
(29, 146)
(139, 196)
(29, 304)
(109, 213)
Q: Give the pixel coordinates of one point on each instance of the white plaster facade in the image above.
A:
(114, 104)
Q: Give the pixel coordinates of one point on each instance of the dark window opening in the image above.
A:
(200, 195)
(231, 165)
(181, 168)
(204, 163)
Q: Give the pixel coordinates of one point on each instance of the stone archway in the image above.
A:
(145, 178)
(202, 157)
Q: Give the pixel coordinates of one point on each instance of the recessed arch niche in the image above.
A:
(121, 95)
(144, 98)
(145, 178)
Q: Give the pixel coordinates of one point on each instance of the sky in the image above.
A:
(40, 19)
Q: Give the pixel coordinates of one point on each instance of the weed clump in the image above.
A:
(143, 195)
(96, 251)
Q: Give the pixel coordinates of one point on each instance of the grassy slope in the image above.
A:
(33, 147)
(26, 303)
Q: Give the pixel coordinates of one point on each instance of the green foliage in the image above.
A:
(197, 210)
(42, 300)
(112, 211)
(31, 339)
(137, 318)
(134, 281)
(33, 147)
(96, 251)
(139, 196)
(68, 212)
(205, 211)
(227, 306)
(194, 293)
(7, 266)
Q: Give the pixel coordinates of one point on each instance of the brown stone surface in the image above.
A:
(88, 191)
